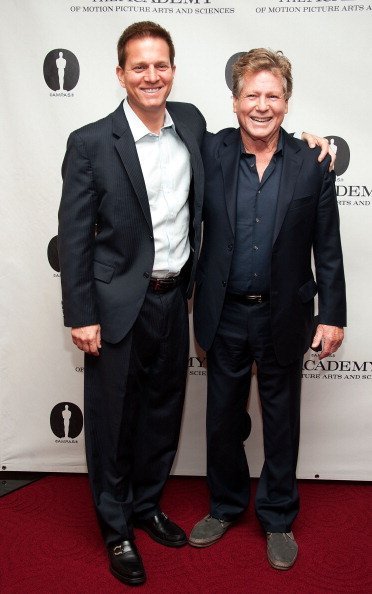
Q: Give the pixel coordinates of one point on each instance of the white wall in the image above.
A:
(326, 41)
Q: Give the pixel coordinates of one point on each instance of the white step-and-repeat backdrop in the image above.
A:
(329, 44)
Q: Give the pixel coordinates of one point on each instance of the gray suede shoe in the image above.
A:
(281, 549)
(208, 531)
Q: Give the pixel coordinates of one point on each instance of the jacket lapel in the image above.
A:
(292, 162)
(192, 146)
(230, 159)
(126, 148)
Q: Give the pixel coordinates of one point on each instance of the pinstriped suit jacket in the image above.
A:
(105, 238)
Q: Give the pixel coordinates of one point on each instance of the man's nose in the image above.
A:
(152, 74)
(262, 103)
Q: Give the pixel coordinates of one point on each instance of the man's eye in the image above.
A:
(162, 67)
(138, 68)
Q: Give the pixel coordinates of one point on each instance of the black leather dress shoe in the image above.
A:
(161, 529)
(126, 564)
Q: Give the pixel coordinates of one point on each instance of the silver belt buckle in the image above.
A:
(257, 298)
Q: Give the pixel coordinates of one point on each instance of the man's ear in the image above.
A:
(120, 75)
(234, 104)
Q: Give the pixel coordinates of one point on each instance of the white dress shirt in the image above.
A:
(165, 164)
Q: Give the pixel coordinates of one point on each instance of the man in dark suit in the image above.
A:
(268, 204)
(129, 235)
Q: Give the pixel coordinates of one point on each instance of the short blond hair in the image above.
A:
(262, 59)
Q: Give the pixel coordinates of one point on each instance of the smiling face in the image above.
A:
(261, 107)
(147, 75)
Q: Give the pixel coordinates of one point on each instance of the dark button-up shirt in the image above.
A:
(255, 221)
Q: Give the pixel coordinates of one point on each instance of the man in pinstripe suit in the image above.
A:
(129, 235)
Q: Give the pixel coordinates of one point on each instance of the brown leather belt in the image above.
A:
(248, 297)
(163, 285)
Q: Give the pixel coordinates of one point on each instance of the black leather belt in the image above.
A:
(248, 297)
(163, 285)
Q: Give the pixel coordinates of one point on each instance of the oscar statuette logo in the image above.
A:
(348, 194)
(61, 72)
(228, 68)
(52, 253)
(342, 150)
(66, 422)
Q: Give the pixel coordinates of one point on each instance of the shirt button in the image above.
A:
(255, 247)
(255, 275)
(224, 283)
(146, 275)
(257, 220)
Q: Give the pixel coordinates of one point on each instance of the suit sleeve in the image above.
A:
(77, 218)
(328, 255)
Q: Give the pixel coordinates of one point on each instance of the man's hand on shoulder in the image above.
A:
(323, 144)
(87, 339)
(330, 337)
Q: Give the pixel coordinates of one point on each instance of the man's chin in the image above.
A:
(152, 104)
(262, 135)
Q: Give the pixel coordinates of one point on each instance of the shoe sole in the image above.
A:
(281, 567)
(135, 581)
(167, 543)
(203, 545)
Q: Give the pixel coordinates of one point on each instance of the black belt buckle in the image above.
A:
(156, 285)
(162, 285)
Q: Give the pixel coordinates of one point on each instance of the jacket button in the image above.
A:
(230, 247)
(151, 237)
(146, 275)
(224, 283)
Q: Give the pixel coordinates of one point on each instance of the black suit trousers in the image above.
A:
(244, 337)
(134, 394)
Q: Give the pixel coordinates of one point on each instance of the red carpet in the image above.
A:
(50, 543)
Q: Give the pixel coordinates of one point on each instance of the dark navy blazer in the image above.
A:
(306, 219)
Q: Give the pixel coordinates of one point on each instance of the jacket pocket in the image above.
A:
(300, 202)
(103, 272)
